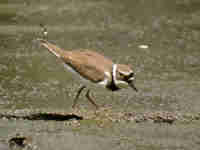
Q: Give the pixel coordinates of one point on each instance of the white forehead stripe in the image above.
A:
(126, 73)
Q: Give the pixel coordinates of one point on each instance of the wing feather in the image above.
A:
(89, 64)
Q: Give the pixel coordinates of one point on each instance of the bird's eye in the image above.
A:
(127, 77)
(131, 74)
(121, 74)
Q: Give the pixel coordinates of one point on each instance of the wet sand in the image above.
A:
(36, 92)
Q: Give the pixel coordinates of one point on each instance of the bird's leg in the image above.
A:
(77, 95)
(90, 99)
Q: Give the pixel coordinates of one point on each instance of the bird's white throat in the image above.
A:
(118, 83)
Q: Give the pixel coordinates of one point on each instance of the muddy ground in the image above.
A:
(158, 38)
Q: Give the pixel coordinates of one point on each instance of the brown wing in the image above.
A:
(89, 64)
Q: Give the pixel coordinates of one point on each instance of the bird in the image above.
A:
(93, 67)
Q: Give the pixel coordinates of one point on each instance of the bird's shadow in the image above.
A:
(43, 116)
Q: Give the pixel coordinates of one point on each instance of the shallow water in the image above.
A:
(167, 71)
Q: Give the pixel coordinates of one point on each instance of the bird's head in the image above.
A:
(123, 76)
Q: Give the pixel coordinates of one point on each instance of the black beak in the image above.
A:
(132, 85)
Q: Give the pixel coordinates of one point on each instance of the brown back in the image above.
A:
(88, 63)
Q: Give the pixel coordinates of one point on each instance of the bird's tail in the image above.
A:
(51, 47)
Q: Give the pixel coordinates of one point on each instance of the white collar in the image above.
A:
(114, 73)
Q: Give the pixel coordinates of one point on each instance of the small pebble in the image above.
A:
(143, 46)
